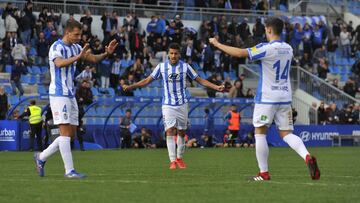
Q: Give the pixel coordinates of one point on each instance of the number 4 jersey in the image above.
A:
(275, 60)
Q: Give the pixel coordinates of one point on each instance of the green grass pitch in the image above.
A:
(213, 175)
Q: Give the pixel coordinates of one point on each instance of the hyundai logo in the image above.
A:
(305, 136)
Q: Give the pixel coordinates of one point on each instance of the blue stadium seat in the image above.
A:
(8, 68)
(91, 112)
(111, 91)
(137, 93)
(44, 69)
(29, 70)
(13, 99)
(25, 79)
(99, 121)
(202, 74)
(42, 90)
(8, 90)
(35, 70)
(94, 91)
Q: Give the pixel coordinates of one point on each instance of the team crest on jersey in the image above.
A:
(254, 50)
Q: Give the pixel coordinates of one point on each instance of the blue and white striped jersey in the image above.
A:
(174, 80)
(275, 62)
(62, 78)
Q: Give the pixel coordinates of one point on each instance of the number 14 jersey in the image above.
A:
(274, 86)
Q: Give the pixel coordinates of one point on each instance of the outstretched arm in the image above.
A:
(108, 51)
(141, 83)
(232, 51)
(210, 85)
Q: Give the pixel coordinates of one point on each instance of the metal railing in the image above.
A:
(147, 10)
(322, 90)
(309, 8)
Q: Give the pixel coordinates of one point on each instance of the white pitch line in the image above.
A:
(177, 183)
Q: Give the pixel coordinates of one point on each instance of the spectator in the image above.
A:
(323, 69)
(87, 19)
(294, 114)
(143, 139)
(244, 30)
(236, 90)
(48, 29)
(154, 26)
(319, 54)
(306, 62)
(137, 70)
(131, 21)
(178, 23)
(322, 114)
(42, 48)
(208, 133)
(336, 83)
(317, 37)
(43, 16)
(3, 104)
(25, 24)
(84, 95)
(336, 29)
(106, 25)
(259, 31)
(298, 35)
(313, 114)
(332, 114)
(350, 87)
(249, 93)
(332, 45)
(114, 20)
(307, 36)
(10, 23)
(125, 127)
(85, 75)
(346, 116)
(232, 27)
(115, 72)
(135, 44)
(345, 38)
(104, 70)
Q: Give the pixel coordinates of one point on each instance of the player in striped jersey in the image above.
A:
(174, 73)
(273, 96)
(63, 56)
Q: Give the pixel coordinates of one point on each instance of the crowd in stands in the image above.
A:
(28, 38)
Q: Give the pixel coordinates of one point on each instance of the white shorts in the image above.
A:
(175, 116)
(65, 110)
(265, 114)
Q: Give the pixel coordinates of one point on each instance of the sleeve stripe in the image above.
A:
(258, 56)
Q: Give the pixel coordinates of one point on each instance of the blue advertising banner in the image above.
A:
(9, 139)
(314, 135)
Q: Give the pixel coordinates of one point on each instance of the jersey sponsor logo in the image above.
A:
(254, 50)
(174, 76)
(65, 116)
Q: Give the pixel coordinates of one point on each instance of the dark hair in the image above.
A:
(128, 110)
(174, 45)
(32, 102)
(73, 24)
(207, 111)
(276, 24)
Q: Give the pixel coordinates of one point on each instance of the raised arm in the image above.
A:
(232, 51)
(210, 85)
(62, 62)
(141, 83)
(108, 51)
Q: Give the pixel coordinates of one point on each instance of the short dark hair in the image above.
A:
(276, 24)
(207, 111)
(174, 45)
(128, 110)
(72, 24)
(32, 102)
